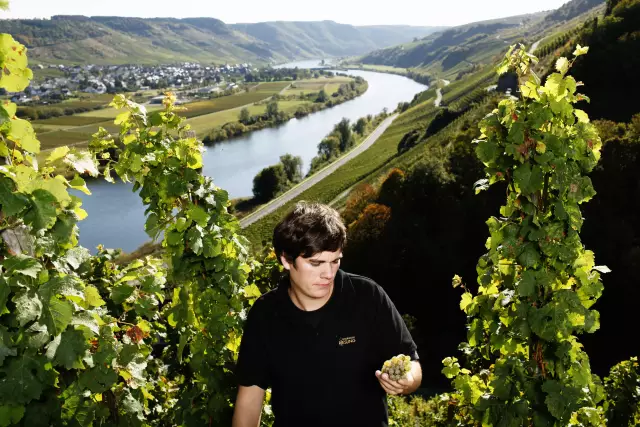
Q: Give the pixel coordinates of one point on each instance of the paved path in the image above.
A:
(317, 177)
(439, 93)
(534, 46)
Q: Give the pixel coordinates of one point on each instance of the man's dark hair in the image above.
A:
(310, 228)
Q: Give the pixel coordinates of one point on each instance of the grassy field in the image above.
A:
(39, 128)
(74, 120)
(367, 163)
(330, 85)
(55, 139)
(263, 91)
(305, 88)
(203, 116)
(203, 124)
(111, 113)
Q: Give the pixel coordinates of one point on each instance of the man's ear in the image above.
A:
(285, 263)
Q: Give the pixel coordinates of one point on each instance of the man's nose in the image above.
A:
(327, 271)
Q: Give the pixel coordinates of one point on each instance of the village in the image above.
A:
(59, 82)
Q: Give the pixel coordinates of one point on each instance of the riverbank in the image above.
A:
(375, 159)
(296, 106)
(244, 209)
(116, 214)
(417, 76)
(245, 206)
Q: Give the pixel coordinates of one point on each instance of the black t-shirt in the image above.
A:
(312, 318)
(325, 375)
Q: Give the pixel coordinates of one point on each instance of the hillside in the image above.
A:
(463, 49)
(118, 40)
(572, 9)
(328, 38)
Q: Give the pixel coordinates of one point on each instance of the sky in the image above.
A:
(355, 12)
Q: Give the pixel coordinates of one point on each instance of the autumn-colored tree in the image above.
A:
(370, 224)
(358, 199)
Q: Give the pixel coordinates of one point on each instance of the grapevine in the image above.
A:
(85, 340)
(537, 283)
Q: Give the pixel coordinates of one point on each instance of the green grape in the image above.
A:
(397, 367)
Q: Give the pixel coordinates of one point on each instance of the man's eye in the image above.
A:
(315, 264)
(336, 261)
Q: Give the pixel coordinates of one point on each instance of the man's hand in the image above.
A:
(402, 386)
(406, 385)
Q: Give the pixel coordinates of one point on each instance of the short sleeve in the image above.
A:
(393, 335)
(253, 368)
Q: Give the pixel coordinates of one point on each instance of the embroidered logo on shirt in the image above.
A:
(347, 340)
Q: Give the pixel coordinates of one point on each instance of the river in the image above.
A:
(116, 214)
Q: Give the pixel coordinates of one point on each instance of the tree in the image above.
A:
(391, 189)
(269, 182)
(245, 116)
(272, 109)
(370, 224)
(329, 147)
(360, 126)
(322, 96)
(292, 167)
(343, 130)
(359, 198)
(409, 140)
(443, 117)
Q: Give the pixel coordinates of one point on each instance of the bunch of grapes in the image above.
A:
(397, 367)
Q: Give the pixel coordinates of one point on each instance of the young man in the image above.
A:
(319, 339)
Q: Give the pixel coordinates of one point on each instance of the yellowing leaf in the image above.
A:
(129, 139)
(541, 147)
(529, 90)
(78, 183)
(251, 291)
(457, 281)
(92, 297)
(562, 65)
(57, 186)
(144, 326)
(581, 50)
(122, 117)
(15, 76)
(147, 394)
(553, 84)
(22, 133)
(467, 299)
(195, 161)
(57, 153)
(234, 342)
(581, 116)
(10, 108)
(80, 213)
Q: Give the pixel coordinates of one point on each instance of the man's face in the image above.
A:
(313, 277)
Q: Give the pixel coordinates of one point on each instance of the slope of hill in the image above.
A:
(572, 9)
(114, 40)
(459, 50)
(328, 38)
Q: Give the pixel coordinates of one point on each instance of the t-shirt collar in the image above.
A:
(290, 308)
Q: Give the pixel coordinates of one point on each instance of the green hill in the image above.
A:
(460, 50)
(328, 38)
(117, 40)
